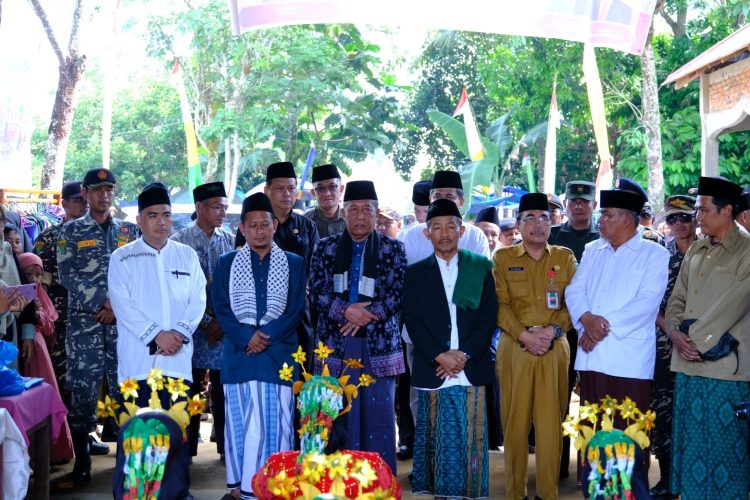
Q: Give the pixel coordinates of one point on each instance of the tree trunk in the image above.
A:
(651, 121)
(61, 122)
(227, 165)
(212, 164)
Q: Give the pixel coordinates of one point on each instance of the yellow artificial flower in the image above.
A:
(286, 372)
(300, 356)
(648, 420)
(281, 485)
(313, 467)
(155, 379)
(570, 427)
(589, 412)
(338, 465)
(608, 405)
(353, 363)
(177, 387)
(107, 408)
(129, 388)
(363, 473)
(196, 405)
(322, 351)
(628, 408)
(365, 380)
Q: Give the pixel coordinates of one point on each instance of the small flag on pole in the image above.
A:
(195, 176)
(526, 163)
(306, 171)
(476, 150)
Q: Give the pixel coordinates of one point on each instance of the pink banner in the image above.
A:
(617, 24)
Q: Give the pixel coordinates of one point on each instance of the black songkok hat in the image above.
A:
(155, 193)
(441, 207)
(533, 201)
(745, 201)
(71, 190)
(420, 193)
(507, 224)
(208, 191)
(280, 170)
(325, 172)
(623, 184)
(575, 190)
(488, 214)
(720, 188)
(447, 179)
(360, 190)
(257, 202)
(98, 177)
(617, 198)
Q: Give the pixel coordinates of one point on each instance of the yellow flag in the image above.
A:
(598, 117)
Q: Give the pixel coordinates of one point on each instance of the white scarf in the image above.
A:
(242, 286)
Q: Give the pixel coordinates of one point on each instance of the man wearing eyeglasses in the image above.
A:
(613, 301)
(389, 222)
(679, 216)
(533, 355)
(327, 189)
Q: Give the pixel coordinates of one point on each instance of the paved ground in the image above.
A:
(208, 476)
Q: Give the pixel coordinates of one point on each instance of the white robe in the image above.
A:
(152, 291)
(626, 288)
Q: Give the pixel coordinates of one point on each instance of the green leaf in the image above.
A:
(455, 130)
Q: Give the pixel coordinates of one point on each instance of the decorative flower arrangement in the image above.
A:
(610, 453)
(309, 473)
(180, 412)
(146, 442)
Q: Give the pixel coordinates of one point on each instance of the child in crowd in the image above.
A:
(13, 236)
(39, 363)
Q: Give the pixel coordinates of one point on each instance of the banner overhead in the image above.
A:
(618, 24)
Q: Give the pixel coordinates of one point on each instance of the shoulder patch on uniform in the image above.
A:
(62, 244)
(39, 245)
(124, 229)
(86, 243)
(515, 269)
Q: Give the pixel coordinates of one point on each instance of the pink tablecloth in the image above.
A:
(34, 405)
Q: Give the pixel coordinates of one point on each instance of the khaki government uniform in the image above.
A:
(533, 388)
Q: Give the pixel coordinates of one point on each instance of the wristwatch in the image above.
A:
(466, 355)
(558, 330)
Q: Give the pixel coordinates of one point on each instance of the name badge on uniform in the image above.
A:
(86, 243)
(553, 293)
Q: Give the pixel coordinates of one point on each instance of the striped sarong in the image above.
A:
(450, 445)
(258, 424)
(709, 445)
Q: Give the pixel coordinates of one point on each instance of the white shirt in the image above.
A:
(419, 247)
(449, 273)
(150, 291)
(626, 288)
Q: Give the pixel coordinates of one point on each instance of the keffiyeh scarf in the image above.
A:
(242, 295)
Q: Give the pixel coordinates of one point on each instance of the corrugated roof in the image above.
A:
(731, 46)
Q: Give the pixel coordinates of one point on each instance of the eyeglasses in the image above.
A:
(385, 223)
(684, 218)
(327, 189)
(542, 219)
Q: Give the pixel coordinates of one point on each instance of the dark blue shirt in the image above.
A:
(358, 252)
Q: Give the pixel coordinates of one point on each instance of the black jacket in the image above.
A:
(427, 319)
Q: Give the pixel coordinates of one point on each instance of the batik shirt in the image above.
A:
(209, 250)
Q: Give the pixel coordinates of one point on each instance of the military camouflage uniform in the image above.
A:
(83, 260)
(651, 234)
(662, 390)
(46, 248)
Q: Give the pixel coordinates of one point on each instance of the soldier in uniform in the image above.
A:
(45, 247)
(555, 208)
(327, 189)
(575, 233)
(207, 237)
(84, 248)
(679, 216)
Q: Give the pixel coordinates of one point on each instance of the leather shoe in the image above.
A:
(96, 447)
(660, 491)
(404, 453)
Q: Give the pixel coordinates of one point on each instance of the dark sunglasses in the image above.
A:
(685, 218)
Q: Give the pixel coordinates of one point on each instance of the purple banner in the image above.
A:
(618, 24)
